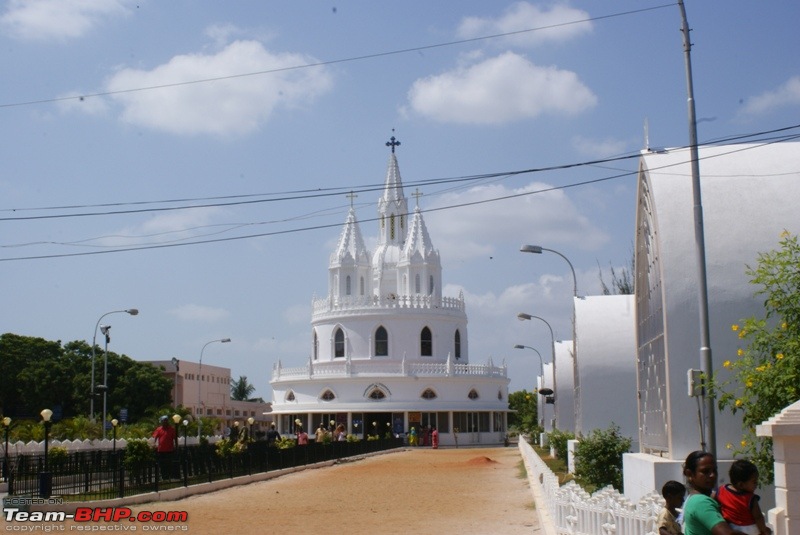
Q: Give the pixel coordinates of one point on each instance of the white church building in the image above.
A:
(388, 351)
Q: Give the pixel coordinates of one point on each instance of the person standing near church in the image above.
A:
(435, 438)
(166, 444)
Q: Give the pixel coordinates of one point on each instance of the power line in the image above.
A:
(257, 198)
(734, 149)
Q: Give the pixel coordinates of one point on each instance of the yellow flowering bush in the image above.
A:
(764, 378)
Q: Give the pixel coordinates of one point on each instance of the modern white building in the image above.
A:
(606, 343)
(387, 351)
(749, 197)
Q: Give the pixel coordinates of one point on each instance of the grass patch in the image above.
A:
(523, 473)
(559, 468)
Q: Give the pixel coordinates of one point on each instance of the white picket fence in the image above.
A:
(33, 447)
(571, 510)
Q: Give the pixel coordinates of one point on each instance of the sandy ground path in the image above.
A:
(415, 491)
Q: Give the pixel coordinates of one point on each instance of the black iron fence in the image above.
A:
(103, 474)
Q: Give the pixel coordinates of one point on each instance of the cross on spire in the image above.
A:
(392, 142)
(417, 195)
(351, 196)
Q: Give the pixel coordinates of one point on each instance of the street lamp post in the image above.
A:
(106, 330)
(523, 316)
(45, 477)
(541, 363)
(132, 312)
(200, 384)
(6, 427)
(114, 424)
(538, 249)
(177, 364)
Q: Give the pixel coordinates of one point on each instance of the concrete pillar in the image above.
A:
(784, 428)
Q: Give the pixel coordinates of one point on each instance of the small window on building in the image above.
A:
(500, 395)
(376, 394)
(426, 343)
(338, 344)
(416, 283)
(381, 342)
(347, 290)
(473, 394)
(289, 397)
(391, 227)
(430, 285)
(327, 396)
(428, 394)
(361, 286)
(316, 346)
(457, 343)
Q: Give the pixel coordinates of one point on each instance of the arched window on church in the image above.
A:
(290, 396)
(391, 227)
(426, 343)
(361, 286)
(347, 289)
(377, 394)
(416, 283)
(457, 343)
(327, 396)
(430, 285)
(338, 344)
(473, 394)
(316, 346)
(428, 394)
(381, 342)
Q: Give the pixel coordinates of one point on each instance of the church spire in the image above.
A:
(392, 206)
(349, 268)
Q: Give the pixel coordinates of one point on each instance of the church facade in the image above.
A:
(388, 351)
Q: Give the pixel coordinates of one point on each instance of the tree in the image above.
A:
(622, 284)
(524, 404)
(36, 373)
(241, 390)
(764, 375)
(598, 458)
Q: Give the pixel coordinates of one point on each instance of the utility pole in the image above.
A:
(708, 439)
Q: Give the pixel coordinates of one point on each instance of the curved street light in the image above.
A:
(200, 384)
(541, 363)
(523, 316)
(538, 249)
(132, 312)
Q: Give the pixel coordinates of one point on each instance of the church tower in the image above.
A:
(350, 274)
(419, 267)
(392, 216)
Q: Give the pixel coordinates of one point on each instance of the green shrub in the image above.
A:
(558, 441)
(598, 458)
(138, 451)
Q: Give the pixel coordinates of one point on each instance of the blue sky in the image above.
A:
(262, 115)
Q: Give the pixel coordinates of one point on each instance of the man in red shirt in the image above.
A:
(166, 443)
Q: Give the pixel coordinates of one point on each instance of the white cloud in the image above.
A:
(599, 147)
(481, 229)
(787, 94)
(499, 90)
(555, 24)
(192, 312)
(232, 104)
(42, 20)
